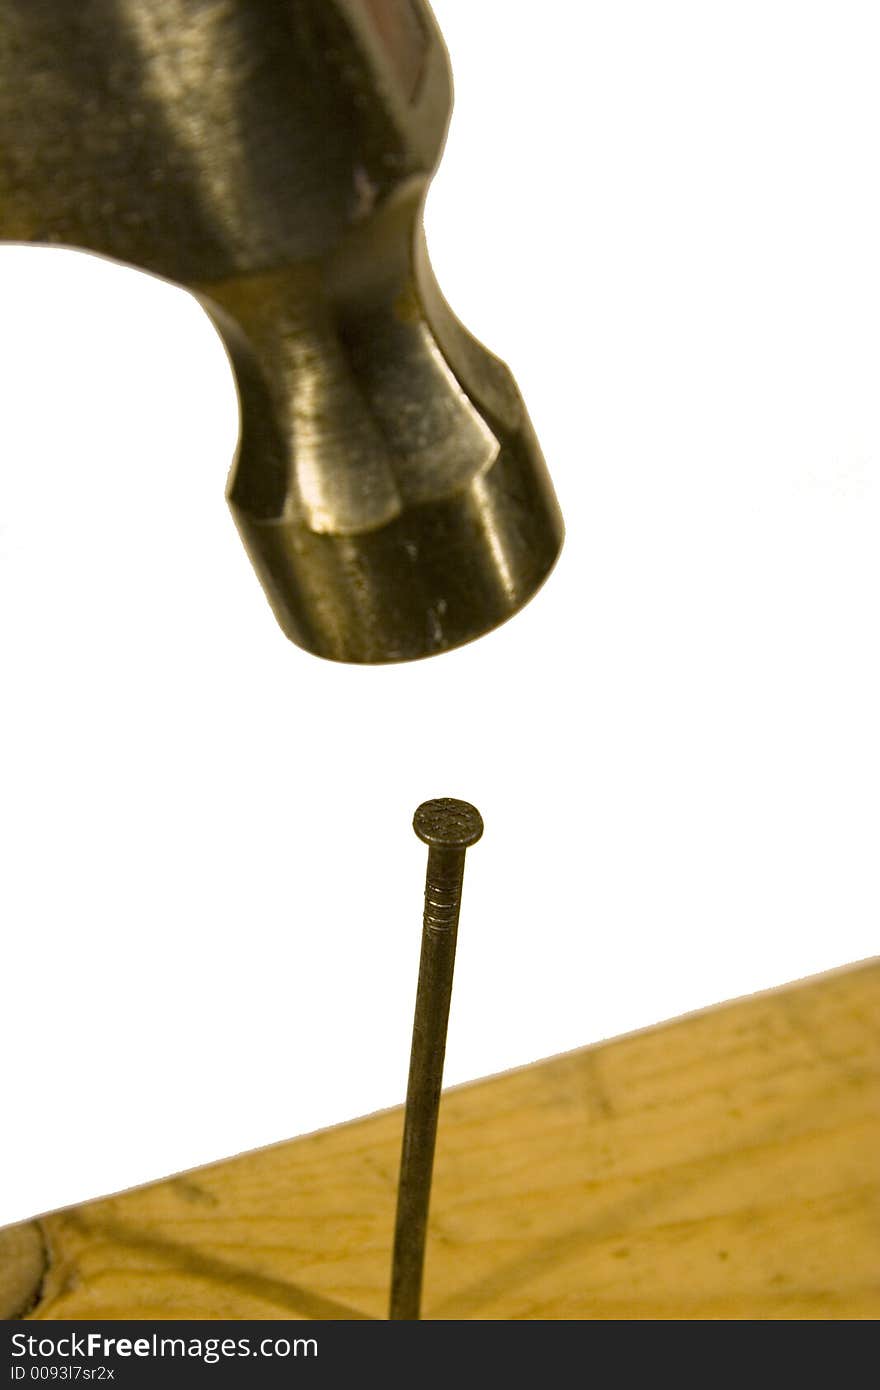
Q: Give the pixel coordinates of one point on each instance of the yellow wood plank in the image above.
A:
(721, 1166)
(22, 1267)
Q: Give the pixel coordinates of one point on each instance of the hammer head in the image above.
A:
(273, 156)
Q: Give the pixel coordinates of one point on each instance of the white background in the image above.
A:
(666, 218)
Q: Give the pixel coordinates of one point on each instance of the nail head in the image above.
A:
(448, 824)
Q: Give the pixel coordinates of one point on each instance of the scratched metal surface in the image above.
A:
(274, 158)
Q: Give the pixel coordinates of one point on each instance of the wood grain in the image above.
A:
(721, 1166)
(23, 1264)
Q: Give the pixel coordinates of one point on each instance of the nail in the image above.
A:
(448, 828)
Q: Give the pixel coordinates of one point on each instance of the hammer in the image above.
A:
(273, 157)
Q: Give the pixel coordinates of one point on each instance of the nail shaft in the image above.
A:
(448, 827)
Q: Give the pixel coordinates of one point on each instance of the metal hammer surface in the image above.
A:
(273, 157)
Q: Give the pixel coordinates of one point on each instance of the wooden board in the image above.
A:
(721, 1166)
